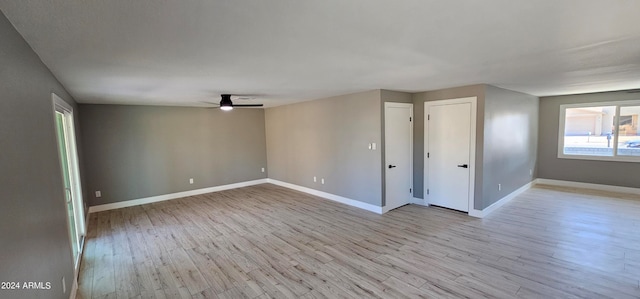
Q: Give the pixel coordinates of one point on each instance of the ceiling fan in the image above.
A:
(226, 104)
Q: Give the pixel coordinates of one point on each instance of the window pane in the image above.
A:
(588, 131)
(628, 139)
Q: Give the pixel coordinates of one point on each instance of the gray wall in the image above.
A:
(134, 152)
(394, 97)
(34, 238)
(328, 138)
(510, 143)
(418, 131)
(586, 171)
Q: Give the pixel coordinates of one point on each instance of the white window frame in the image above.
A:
(614, 139)
(59, 105)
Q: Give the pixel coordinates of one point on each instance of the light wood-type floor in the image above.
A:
(270, 242)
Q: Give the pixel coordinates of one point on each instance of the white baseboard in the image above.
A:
(476, 213)
(152, 199)
(418, 201)
(599, 187)
(496, 205)
(329, 196)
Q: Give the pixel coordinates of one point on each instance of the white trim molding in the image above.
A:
(570, 184)
(496, 205)
(419, 201)
(599, 187)
(347, 201)
(152, 199)
(74, 289)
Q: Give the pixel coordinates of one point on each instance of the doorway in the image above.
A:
(450, 127)
(67, 151)
(398, 145)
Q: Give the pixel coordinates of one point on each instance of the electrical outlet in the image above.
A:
(499, 187)
(322, 181)
(530, 171)
(315, 179)
(191, 181)
(98, 194)
(262, 169)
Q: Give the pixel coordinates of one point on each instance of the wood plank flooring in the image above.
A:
(266, 241)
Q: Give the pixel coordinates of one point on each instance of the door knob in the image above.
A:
(463, 166)
(391, 166)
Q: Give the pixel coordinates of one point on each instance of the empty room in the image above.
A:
(319, 149)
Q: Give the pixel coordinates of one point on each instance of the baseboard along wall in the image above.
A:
(329, 196)
(358, 204)
(152, 199)
(599, 187)
(496, 205)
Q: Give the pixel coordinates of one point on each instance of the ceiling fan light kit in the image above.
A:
(225, 102)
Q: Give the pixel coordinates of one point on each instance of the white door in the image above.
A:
(450, 152)
(398, 134)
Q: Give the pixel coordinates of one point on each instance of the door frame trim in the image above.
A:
(399, 105)
(472, 146)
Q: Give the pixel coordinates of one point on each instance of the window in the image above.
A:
(600, 131)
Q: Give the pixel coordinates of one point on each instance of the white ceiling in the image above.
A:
(176, 52)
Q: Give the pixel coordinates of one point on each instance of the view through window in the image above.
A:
(604, 131)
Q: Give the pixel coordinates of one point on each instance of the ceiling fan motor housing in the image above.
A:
(226, 100)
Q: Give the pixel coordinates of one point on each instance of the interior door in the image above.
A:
(398, 132)
(65, 134)
(448, 154)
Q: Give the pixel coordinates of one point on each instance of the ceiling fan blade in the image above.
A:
(248, 105)
(242, 98)
(211, 105)
(246, 96)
